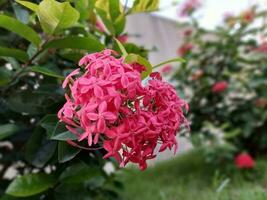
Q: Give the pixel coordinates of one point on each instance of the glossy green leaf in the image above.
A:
(29, 5)
(19, 28)
(56, 130)
(14, 53)
(133, 58)
(66, 152)
(78, 173)
(169, 61)
(30, 184)
(39, 149)
(145, 6)
(89, 43)
(55, 16)
(122, 49)
(61, 133)
(46, 71)
(7, 130)
(49, 123)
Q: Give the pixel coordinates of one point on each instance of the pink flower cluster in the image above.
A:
(107, 105)
(184, 49)
(188, 7)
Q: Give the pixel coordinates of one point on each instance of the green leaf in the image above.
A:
(5, 76)
(56, 130)
(145, 6)
(49, 123)
(27, 4)
(39, 149)
(21, 14)
(133, 58)
(46, 71)
(61, 133)
(55, 16)
(122, 49)
(107, 22)
(14, 53)
(19, 28)
(30, 184)
(89, 43)
(169, 61)
(66, 152)
(78, 173)
(7, 130)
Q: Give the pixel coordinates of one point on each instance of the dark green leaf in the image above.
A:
(78, 173)
(30, 184)
(7, 130)
(89, 43)
(39, 149)
(66, 152)
(5, 76)
(46, 71)
(61, 133)
(14, 53)
(19, 28)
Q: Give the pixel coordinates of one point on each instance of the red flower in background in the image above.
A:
(184, 49)
(219, 87)
(244, 161)
(123, 38)
(188, 7)
(247, 16)
(188, 32)
(166, 69)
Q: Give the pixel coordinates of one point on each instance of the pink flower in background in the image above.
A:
(262, 48)
(108, 107)
(123, 38)
(244, 161)
(166, 69)
(219, 87)
(184, 49)
(188, 7)
(100, 26)
(188, 32)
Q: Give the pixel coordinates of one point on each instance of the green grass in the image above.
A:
(188, 177)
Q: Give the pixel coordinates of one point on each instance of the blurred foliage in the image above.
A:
(234, 53)
(40, 43)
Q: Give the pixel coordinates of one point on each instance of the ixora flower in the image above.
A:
(188, 7)
(219, 87)
(244, 161)
(184, 49)
(107, 106)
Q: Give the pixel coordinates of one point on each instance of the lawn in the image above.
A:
(188, 177)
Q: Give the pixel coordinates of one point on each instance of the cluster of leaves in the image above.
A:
(235, 118)
(40, 43)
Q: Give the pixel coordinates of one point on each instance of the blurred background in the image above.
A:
(224, 80)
